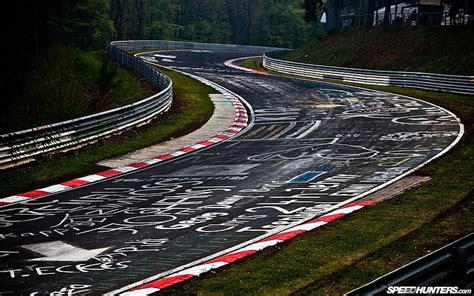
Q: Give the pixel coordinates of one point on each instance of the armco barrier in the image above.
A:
(450, 266)
(165, 44)
(23, 146)
(428, 81)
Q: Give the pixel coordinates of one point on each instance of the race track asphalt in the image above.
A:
(310, 148)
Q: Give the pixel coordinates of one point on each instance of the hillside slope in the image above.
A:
(66, 84)
(448, 50)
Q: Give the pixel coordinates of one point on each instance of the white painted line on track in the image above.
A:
(333, 213)
(310, 130)
(230, 133)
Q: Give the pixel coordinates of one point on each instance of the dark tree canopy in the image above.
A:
(311, 8)
(263, 22)
(35, 27)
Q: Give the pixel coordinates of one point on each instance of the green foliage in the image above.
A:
(53, 91)
(85, 24)
(68, 84)
(259, 22)
(318, 31)
(111, 85)
(90, 24)
(161, 30)
(286, 27)
(107, 73)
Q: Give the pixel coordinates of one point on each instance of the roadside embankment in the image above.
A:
(190, 110)
(445, 50)
(67, 84)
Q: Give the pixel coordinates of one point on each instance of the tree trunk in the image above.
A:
(370, 12)
(140, 7)
(118, 17)
(386, 17)
(248, 14)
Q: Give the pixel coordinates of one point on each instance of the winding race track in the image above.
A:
(309, 148)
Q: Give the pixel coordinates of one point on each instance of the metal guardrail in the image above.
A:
(165, 44)
(450, 266)
(428, 81)
(23, 146)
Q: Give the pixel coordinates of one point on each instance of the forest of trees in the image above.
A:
(36, 29)
(263, 22)
(91, 24)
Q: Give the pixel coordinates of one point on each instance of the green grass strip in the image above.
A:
(191, 109)
(255, 64)
(354, 250)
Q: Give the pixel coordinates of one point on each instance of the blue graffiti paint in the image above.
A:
(326, 167)
(306, 177)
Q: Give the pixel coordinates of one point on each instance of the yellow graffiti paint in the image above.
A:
(327, 106)
(394, 162)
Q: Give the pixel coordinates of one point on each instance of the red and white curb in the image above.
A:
(240, 122)
(195, 271)
(157, 282)
(230, 64)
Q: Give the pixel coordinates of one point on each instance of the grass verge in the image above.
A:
(408, 48)
(117, 86)
(352, 251)
(190, 110)
(254, 63)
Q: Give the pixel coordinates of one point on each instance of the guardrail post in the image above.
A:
(459, 275)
